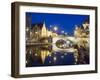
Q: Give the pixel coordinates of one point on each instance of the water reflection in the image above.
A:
(43, 55)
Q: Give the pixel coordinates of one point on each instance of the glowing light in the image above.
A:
(49, 61)
(30, 52)
(76, 27)
(55, 28)
(68, 42)
(36, 32)
(54, 58)
(49, 55)
(44, 31)
(65, 33)
(62, 31)
(65, 53)
(62, 57)
(30, 33)
(35, 54)
(50, 26)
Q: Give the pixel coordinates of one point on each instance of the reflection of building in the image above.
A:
(44, 54)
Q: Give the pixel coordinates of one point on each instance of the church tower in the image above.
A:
(44, 31)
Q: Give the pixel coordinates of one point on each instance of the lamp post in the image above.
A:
(62, 32)
(65, 33)
(55, 28)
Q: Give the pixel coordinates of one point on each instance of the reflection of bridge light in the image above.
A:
(30, 52)
(54, 58)
(62, 57)
(35, 54)
(49, 61)
(30, 33)
(65, 53)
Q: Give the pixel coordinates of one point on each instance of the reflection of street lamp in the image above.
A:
(36, 32)
(54, 58)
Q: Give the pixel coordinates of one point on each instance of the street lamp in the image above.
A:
(55, 28)
(50, 26)
(65, 33)
(62, 31)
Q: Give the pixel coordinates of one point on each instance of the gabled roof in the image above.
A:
(39, 25)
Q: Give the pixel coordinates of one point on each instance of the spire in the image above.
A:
(44, 30)
(44, 24)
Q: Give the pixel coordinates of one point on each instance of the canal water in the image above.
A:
(43, 55)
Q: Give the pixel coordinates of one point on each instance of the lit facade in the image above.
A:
(82, 35)
(40, 31)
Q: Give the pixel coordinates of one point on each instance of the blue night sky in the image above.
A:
(65, 22)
